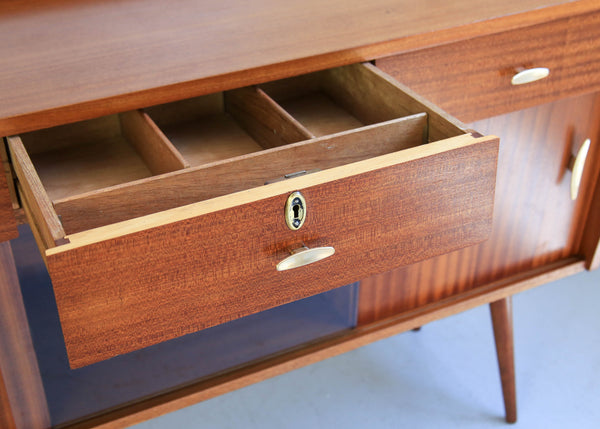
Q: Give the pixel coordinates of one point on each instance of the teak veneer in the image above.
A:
(356, 200)
(149, 155)
(224, 46)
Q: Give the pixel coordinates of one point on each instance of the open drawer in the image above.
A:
(158, 223)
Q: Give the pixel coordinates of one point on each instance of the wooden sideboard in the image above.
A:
(113, 255)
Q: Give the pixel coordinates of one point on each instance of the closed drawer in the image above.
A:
(163, 222)
(471, 79)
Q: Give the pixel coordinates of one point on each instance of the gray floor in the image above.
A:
(444, 376)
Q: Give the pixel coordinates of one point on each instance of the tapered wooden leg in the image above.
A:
(503, 333)
(22, 399)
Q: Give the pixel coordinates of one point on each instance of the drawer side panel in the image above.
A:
(8, 224)
(140, 289)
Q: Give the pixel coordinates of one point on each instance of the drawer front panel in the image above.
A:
(472, 79)
(139, 289)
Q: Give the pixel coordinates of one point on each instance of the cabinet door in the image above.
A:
(535, 221)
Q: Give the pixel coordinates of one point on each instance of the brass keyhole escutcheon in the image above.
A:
(295, 211)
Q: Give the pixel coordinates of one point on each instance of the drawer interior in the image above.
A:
(115, 168)
(203, 130)
(91, 155)
(311, 101)
(333, 101)
(224, 125)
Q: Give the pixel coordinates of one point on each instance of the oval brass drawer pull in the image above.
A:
(304, 256)
(577, 167)
(530, 75)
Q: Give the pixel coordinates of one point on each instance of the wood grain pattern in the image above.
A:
(195, 273)
(61, 111)
(477, 85)
(309, 354)
(22, 398)
(226, 177)
(30, 219)
(42, 211)
(535, 222)
(204, 47)
(8, 223)
(501, 312)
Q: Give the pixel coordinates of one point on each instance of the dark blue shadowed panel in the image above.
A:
(73, 394)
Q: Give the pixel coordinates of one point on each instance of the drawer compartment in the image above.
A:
(394, 181)
(95, 154)
(222, 126)
(471, 79)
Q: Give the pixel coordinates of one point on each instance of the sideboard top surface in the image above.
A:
(70, 60)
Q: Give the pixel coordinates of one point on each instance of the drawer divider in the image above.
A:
(151, 144)
(262, 118)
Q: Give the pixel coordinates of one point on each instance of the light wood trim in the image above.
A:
(309, 354)
(23, 399)
(42, 211)
(35, 229)
(151, 144)
(239, 198)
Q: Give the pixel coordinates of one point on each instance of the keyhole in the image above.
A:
(295, 211)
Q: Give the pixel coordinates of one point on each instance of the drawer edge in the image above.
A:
(244, 197)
